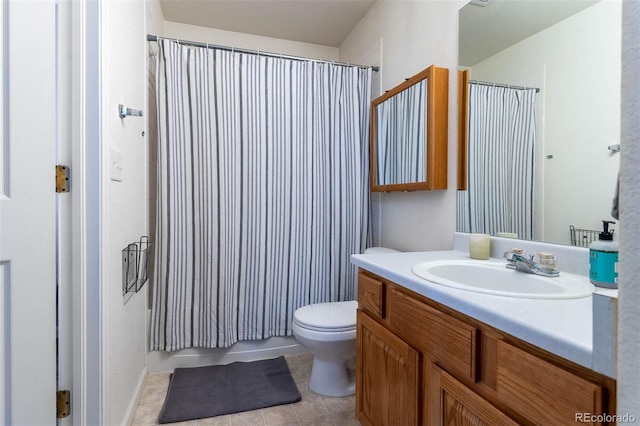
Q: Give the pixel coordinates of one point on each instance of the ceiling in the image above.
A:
(485, 31)
(323, 22)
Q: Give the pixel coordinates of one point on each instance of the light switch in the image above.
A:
(117, 167)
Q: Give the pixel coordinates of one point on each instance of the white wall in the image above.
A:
(576, 64)
(248, 41)
(629, 300)
(124, 206)
(413, 36)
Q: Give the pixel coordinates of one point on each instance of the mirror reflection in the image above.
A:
(401, 137)
(409, 134)
(559, 172)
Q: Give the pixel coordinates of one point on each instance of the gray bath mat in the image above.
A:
(196, 393)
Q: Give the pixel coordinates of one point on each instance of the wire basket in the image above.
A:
(582, 237)
(135, 265)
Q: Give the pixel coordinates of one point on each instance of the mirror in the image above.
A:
(571, 52)
(409, 134)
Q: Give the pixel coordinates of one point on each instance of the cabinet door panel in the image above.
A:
(387, 376)
(453, 404)
(370, 294)
(541, 391)
(449, 341)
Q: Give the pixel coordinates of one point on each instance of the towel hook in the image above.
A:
(124, 112)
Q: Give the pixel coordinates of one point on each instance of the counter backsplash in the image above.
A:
(571, 259)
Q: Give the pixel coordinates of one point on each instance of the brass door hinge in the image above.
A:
(63, 404)
(62, 178)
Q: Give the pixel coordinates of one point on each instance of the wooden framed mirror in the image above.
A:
(409, 131)
(463, 106)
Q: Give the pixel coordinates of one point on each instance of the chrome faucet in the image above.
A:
(518, 261)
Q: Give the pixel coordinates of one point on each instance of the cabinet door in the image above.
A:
(542, 392)
(453, 404)
(387, 376)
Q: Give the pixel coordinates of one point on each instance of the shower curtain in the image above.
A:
(262, 192)
(501, 150)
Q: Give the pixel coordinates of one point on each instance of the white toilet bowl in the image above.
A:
(328, 331)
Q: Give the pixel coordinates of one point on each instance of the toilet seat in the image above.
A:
(330, 317)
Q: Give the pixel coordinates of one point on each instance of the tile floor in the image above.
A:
(312, 410)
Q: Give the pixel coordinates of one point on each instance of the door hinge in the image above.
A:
(62, 178)
(63, 404)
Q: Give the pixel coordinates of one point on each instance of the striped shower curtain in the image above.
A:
(500, 162)
(400, 119)
(262, 192)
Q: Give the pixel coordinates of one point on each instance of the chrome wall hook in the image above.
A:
(124, 111)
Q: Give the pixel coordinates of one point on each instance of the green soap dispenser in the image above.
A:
(603, 259)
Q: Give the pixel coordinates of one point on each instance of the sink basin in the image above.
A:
(495, 278)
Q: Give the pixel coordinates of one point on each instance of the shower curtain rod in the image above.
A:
(509, 86)
(255, 52)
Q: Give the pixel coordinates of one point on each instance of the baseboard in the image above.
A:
(159, 362)
(135, 399)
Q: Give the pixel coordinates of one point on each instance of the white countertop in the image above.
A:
(562, 327)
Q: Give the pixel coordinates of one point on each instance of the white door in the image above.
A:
(27, 213)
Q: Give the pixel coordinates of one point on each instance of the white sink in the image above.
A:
(494, 278)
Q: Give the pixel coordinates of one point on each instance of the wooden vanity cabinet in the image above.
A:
(388, 376)
(456, 404)
(419, 362)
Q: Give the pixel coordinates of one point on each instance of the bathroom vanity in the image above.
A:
(432, 355)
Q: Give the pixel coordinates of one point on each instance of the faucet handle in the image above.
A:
(511, 252)
(547, 261)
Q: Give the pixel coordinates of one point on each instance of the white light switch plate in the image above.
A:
(117, 167)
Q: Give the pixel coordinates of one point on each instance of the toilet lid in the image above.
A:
(330, 316)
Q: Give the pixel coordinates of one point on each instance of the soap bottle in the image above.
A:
(603, 259)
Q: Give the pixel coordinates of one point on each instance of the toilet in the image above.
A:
(328, 331)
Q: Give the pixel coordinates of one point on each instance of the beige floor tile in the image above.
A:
(306, 409)
(248, 418)
(317, 421)
(345, 418)
(307, 365)
(215, 421)
(292, 360)
(306, 356)
(157, 380)
(305, 392)
(310, 396)
(299, 372)
(336, 405)
(147, 414)
(279, 414)
(302, 383)
(153, 395)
